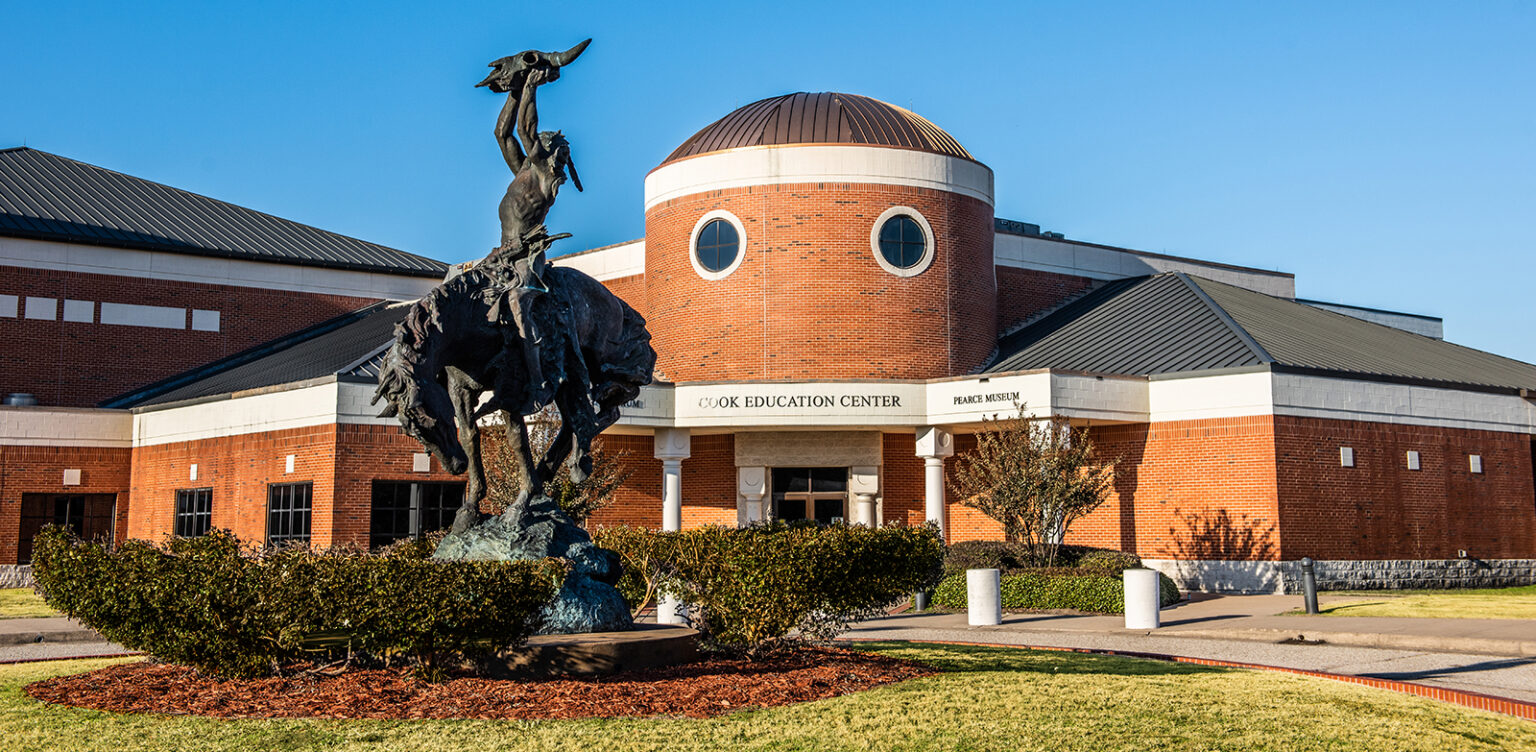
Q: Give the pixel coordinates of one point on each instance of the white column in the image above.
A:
(864, 483)
(672, 445)
(751, 484)
(933, 445)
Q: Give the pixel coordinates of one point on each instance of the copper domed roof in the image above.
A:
(820, 118)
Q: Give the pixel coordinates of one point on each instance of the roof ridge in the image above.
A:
(212, 368)
(1226, 318)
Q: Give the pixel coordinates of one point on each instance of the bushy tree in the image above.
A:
(1035, 476)
(505, 481)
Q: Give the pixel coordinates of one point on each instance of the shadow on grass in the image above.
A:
(978, 658)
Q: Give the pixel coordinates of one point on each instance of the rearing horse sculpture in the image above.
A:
(512, 335)
(449, 353)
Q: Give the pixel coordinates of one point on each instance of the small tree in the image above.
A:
(505, 481)
(1036, 476)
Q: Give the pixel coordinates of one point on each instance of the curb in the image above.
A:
(92, 657)
(8, 639)
(1429, 643)
(1476, 700)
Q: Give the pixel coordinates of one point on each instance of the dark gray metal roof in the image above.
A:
(820, 118)
(47, 197)
(1138, 326)
(347, 345)
(1305, 338)
(1176, 323)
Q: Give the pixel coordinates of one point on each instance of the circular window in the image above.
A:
(902, 241)
(716, 247)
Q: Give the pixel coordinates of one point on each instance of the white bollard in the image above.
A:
(668, 610)
(1142, 599)
(984, 597)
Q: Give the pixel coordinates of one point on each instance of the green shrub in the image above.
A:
(205, 603)
(1012, 557)
(1050, 589)
(749, 588)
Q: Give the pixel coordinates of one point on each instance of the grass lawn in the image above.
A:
(1492, 603)
(991, 699)
(22, 603)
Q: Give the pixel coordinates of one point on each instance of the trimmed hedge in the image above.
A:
(204, 603)
(749, 588)
(1010, 557)
(1049, 589)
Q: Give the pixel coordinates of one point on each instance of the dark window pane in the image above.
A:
(791, 479)
(194, 512)
(829, 511)
(288, 508)
(829, 479)
(717, 245)
(791, 509)
(902, 242)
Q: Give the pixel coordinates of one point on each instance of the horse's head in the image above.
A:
(426, 415)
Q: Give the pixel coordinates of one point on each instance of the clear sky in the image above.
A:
(1385, 153)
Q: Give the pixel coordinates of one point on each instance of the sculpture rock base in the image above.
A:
(588, 602)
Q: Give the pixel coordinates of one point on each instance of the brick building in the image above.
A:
(836, 311)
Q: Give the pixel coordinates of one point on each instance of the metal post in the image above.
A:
(920, 600)
(1309, 584)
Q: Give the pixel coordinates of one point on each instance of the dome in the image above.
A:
(820, 118)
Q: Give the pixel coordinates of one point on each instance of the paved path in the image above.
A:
(1246, 629)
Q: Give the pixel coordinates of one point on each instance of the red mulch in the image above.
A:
(696, 690)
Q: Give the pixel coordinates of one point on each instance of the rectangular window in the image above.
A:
(402, 509)
(288, 507)
(1475, 462)
(194, 512)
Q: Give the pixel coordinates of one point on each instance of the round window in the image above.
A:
(717, 245)
(902, 242)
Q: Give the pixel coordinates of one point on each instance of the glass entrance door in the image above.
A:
(811, 493)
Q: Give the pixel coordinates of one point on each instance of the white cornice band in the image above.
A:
(835, 163)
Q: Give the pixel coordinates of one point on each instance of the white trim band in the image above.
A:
(839, 163)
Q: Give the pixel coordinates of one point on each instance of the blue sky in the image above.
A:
(1385, 153)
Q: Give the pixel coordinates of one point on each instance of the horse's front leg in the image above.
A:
(464, 398)
(517, 440)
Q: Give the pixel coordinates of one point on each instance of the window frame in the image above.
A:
(273, 489)
(930, 243)
(416, 508)
(693, 244)
(198, 517)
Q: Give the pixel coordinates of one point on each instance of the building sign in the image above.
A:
(984, 399)
(787, 401)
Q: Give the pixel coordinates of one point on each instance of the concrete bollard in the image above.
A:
(1142, 599)
(668, 610)
(984, 597)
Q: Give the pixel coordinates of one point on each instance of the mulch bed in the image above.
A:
(697, 690)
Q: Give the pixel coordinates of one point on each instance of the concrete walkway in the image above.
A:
(1490, 656)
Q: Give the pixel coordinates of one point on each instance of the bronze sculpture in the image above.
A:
(509, 336)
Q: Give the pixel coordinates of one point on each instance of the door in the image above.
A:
(811, 493)
(91, 516)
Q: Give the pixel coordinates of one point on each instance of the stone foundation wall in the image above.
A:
(15, 575)
(1399, 574)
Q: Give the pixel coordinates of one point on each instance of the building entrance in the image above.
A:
(810, 493)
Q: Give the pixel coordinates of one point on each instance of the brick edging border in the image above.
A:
(1476, 700)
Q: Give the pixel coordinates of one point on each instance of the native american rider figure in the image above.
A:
(539, 161)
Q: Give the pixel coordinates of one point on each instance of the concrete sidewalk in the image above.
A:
(49, 629)
(1257, 617)
(1490, 656)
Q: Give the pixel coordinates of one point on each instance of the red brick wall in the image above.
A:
(631, 290)
(901, 480)
(1379, 509)
(809, 300)
(32, 469)
(709, 481)
(1022, 293)
(238, 469)
(364, 454)
(79, 364)
(1196, 489)
(638, 502)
